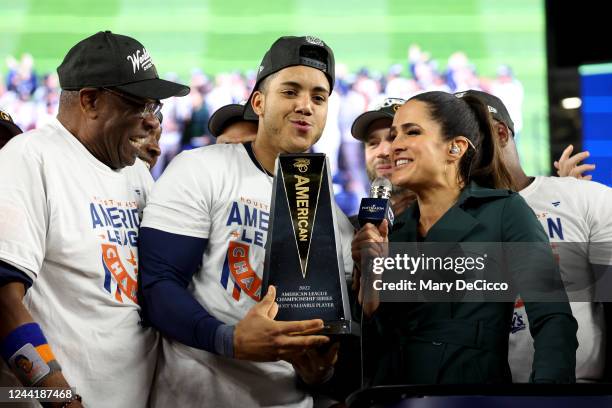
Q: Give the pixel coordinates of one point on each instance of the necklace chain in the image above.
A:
(268, 176)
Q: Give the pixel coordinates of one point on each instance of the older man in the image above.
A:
(149, 150)
(71, 194)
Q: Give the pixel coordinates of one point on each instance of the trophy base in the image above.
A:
(340, 328)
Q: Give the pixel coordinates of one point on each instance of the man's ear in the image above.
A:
(502, 132)
(257, 102)
(89, 102)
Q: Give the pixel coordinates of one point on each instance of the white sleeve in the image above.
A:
(181, 199)
(599, 218)
(24, 215)
(346, 232)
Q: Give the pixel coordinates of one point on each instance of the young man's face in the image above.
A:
(293, 108)
(378, 149)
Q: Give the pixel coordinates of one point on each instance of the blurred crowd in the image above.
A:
(32, 99)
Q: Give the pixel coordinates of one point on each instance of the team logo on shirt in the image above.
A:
(243, 275)
(518, 318)
(248, 220)
(116, 224)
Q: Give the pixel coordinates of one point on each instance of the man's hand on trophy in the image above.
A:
(374, 241)
(569, 166)
(258, 337)
(315, 365)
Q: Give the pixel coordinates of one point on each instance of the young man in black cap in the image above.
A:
(71, 194)
(8, 128)
(228, 125)
(372, 128)
(577, 218)
(202, 251)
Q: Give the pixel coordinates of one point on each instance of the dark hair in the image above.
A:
(469, 117)
(263, 85)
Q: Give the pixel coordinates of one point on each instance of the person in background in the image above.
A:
(149, 150)
(569, 165)
(372, 128)
(577, 216)
(445, 151)
(228, 125)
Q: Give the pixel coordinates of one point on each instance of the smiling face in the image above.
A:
(419, 153)
(292, 109)
(378, 149)
(149, 150)
(121, 130)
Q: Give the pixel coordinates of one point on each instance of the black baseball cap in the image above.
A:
(118, 61)
(7, 122)
(386, 110)
(225, 116)
(290, 51)
(494, 104)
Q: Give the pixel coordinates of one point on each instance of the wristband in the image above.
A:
(28, 354)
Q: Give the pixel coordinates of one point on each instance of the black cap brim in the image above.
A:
(219, 120)
(363, 122)
(13, 129)
(155, 88)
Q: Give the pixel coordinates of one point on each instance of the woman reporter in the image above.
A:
(444, 150)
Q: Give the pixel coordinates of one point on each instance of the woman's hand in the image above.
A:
(373, 240)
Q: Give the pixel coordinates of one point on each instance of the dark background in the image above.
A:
(577, 33)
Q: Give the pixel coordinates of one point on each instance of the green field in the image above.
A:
(224, 35)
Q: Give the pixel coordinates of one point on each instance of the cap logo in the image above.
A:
(140, 60)
(492, 109)
(314, 40)
(394, 103)
(261, 67)
(460, 94)
(5, 117)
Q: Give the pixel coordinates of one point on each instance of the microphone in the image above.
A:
(377, 207)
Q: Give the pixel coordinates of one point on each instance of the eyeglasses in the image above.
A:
(149, 108)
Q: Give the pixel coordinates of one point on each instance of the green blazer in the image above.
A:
(454, 343)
